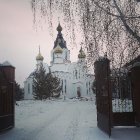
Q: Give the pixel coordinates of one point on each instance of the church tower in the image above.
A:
(39, 59)
(60, 53)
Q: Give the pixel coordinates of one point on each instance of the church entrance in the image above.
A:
(78, 92)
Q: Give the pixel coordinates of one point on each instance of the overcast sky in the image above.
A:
(19, 40)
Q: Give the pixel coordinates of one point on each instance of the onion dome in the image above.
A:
(81, 54)
(58, 49)
(39, 56)
(59, 28)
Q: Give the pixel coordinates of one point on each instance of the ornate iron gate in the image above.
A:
(103, 95)
(6, 97)
(122, 100)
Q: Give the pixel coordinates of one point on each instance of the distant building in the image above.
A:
(75, 79)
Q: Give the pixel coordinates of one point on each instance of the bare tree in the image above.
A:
(111, 26)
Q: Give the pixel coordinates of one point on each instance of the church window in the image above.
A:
(65, 86)
(89, 86)
(76, 74)
(66, 56)
(28, 88)
(53, 57)
(62, 86)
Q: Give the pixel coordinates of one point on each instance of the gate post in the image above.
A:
(103, 96)
(7, 100)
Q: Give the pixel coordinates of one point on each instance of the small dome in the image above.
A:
(81, 54)
(59, 28)
(39, 57)
(58, 49)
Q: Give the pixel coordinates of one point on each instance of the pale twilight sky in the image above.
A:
(19, 41)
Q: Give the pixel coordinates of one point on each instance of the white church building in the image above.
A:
(74, 76)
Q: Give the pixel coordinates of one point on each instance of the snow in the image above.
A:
(6, 63)
(62, 120)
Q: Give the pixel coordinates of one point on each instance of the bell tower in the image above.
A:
(60, 52)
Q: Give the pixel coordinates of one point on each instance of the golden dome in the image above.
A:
(81, 54)
(39, 56)
(58, 49)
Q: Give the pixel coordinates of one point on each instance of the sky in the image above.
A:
(19, 40)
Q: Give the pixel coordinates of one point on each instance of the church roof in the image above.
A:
(59, 40)
(31, 74)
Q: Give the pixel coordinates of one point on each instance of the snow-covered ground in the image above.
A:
(62, 120)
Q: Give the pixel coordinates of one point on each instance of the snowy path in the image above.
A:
(58, 120)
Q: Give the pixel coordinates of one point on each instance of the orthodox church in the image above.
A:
(74, 76)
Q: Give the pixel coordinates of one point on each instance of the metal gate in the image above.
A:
(122, 100)
(103, 95)
(6, 97)
(117, 96)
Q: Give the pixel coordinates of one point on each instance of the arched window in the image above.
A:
(89, 86)
(28, 88)
(53, 57)
(62, 86)
(65, 86)
(66, 56)
(76, 74)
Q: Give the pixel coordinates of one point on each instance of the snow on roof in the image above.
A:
(6, 63)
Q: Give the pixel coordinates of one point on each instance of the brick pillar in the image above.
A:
(7, 101)
(135, 78)
(103, 96)
(102, 73)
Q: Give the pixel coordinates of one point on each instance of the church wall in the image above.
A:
(66, 54)
(65, 73)
(28, 89)
(58, 58)
(68, 85)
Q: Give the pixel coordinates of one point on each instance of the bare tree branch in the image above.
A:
(133, 33)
